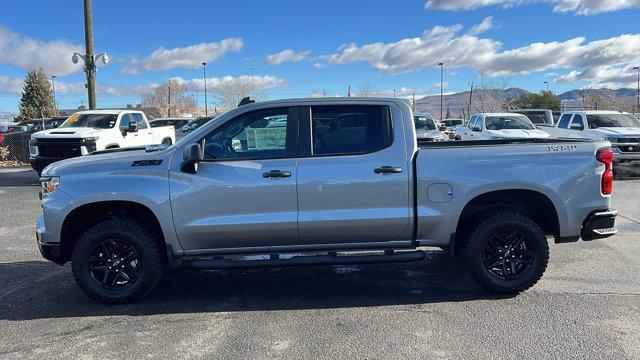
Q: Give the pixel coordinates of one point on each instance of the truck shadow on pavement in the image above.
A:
(437, 279)
(18, 177)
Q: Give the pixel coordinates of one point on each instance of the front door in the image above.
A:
(353, 187)
(244, 192)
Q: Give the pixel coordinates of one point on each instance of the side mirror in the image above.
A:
(475, 128)
(576, 127)
(191, 156)
(133, 127)
(185, 129)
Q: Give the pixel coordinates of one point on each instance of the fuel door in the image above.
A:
(439, 193)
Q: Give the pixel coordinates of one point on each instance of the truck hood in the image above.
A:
(121, 161)
(519, 134)
(69, 133)
(618, 131)
(428, 134)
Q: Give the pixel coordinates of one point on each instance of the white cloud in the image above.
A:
(456, 49)
(188, 57)
(445, 84)
(485, 25)
(25, 52)
(262, 82)
(602, 77)
(9, 85)
(319, 65)
(288, 55)
(580, 7)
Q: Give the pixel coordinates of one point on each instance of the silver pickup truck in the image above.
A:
(320, 182)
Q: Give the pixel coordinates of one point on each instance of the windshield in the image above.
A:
(612, 120)
(424, 122)
(508, 123)
(452, 123)
(99, 121)
(536, 117)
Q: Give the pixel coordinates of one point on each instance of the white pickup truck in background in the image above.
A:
(620, 128)
(94, 130)
(499, 126)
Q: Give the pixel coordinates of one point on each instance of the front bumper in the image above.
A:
(622, 157)
(39, 163)
(599, 225)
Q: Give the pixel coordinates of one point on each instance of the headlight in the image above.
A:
(612, 140)
(33, 148)
(49, 184)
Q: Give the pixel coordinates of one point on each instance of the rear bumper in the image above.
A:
(599, 224)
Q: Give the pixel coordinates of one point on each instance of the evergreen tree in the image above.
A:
(448, 115)
(37, 96)
(544, 100)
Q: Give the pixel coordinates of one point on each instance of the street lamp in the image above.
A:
(53, 85)
(204, 75)
(638, 68)
(547, 83)
(441, 64)
(394, 93)
(89, 63)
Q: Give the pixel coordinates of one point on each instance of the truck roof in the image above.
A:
(111, 111)
(595, 112)
(498, 114)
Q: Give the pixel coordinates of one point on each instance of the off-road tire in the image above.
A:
(505, 220)
(151, 257)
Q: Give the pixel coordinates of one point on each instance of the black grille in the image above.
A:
(628, 148)
(629, 140)
(61, 148)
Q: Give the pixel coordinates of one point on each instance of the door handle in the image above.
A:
(387, 170)
(276, 174)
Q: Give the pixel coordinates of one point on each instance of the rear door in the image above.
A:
(353, 175)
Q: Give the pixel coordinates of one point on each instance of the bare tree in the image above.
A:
(170, 99)
(367, 90)
(231, 92)
(317, 93)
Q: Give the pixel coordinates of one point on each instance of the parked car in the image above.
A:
(17, 136)
(344, 174)
(177, 124)
(620, 128)
(427, 128)
(499, 126)
(94, 130)
(194, 124)
(450, 126)
(539, 117)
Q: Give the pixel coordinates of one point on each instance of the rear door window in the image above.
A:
(577, 122)
(564, 121)
(350, 129)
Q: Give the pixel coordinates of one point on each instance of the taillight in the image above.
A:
(605, 156)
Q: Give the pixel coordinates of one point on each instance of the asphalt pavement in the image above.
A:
(587, 306)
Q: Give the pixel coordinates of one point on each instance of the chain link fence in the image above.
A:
(15, 147)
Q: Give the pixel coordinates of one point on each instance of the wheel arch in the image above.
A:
(534, 204)
(83, 217)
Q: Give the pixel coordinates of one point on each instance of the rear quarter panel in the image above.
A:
(569, 177)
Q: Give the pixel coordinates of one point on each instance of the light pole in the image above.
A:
(89, 58)
(53, 85)
(204, 75)
(394, 93)
(547, 83)
(638, 69)
(470, 99)
(441, 64)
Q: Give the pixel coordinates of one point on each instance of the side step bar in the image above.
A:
(220, 263)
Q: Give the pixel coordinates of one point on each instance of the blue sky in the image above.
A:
(387, 45)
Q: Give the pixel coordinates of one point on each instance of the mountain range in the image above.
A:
(494, 99)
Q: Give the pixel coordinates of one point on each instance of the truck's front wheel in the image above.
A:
(507, 252)
(117, 261)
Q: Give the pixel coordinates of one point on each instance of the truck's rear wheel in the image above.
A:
(117, 261)
(507, 252)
